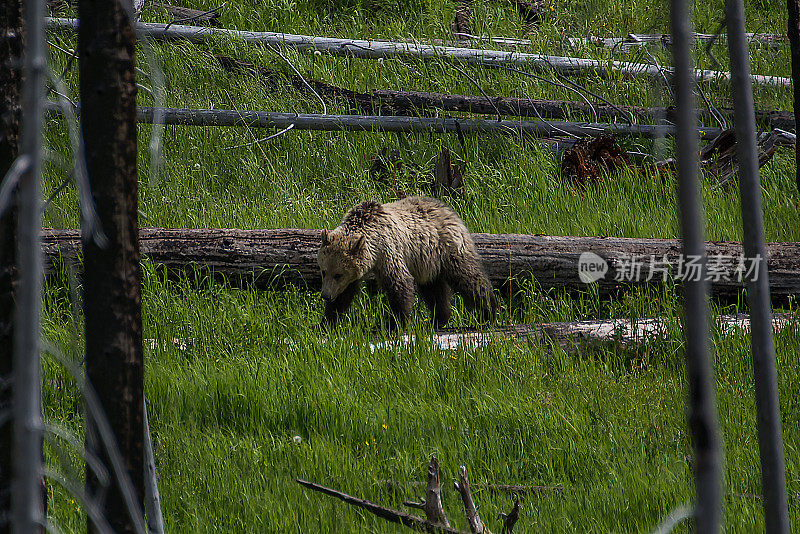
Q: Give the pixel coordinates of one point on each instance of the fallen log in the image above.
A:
(633, 40)
(369, 123)
(268, 257)
(383, 49)
(361, 101)
(573, 337)
(410, 103)
(720, 158)
(579, 336)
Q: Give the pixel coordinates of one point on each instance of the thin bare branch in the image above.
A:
(476, 84)
(297, 72)
(257, 141)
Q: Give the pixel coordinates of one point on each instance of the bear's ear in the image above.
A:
(357, 245)
(326, 240)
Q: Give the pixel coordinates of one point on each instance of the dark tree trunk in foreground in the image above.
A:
(10, 83)
(794, 47)
(112, 286)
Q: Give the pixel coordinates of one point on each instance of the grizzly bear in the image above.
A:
(414, 240)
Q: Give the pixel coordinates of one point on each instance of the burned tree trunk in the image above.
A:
(112, 284)
(10, 83)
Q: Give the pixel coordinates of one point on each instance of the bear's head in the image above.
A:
(342, 259)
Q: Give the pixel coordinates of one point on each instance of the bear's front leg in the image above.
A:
(335, 307)
(436, 295)
(400, 293)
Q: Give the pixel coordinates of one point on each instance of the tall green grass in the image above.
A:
(607, 425)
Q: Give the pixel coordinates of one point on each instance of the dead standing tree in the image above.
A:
(10, 82)
(12, 34)
(112, 294)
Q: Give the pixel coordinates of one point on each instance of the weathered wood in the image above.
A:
(633, 40)
(388, 102)
(410, 102)
(383, 49)
(265, 257)
(476, 525)
(579, 336)
(719, 157)
(366, 123)
(432, 504)
(574, 337)
(393, 516)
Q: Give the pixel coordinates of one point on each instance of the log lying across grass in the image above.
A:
(411, 103)
(270, 257)
(368, 123)
(573, 337)
(576, 336)
(632, 40)
(386, 49)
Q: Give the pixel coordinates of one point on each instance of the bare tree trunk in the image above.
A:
(112, 298)
(10, 83)
(794, 47)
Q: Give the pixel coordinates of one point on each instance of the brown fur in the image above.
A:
(415, 241)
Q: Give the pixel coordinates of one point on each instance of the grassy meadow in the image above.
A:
(262, 395)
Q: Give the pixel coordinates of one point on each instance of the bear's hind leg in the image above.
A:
(436, 296)
(336, 307)
(400, 293)
(468, 280)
